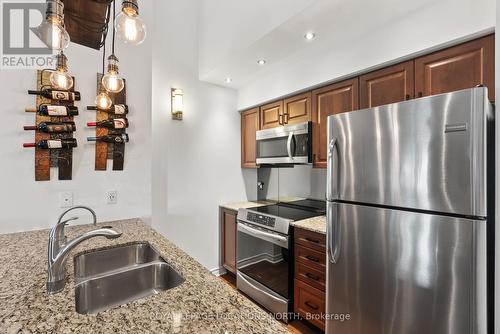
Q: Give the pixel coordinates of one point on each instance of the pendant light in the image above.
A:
(102, 100)
(130, 27)
(60, 78)
(112, 80)
(52, 31)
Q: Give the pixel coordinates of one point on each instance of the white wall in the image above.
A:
(26, 204)
(357, 40)
(196, 162)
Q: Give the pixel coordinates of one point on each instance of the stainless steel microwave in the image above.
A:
(289, 144)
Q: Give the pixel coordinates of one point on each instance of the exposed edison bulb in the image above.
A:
(52, 33)
(113, 82)
(130, 28)
(103, 101)
(61, 79)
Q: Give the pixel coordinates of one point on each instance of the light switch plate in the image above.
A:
(112, 197)
(66, 199)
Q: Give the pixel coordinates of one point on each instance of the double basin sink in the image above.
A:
(105, 279)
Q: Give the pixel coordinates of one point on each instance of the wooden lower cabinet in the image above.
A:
(310, 276)
(309, 302)
(249, 126)
(330, 100)
(228, 238)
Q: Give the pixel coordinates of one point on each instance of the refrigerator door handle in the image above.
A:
(333, 231)
(330, 194)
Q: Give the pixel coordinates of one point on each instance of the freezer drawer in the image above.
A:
(428, 154)
(405, 272)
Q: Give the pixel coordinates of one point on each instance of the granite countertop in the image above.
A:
(202, 304)
(315, 224)
(245, 205)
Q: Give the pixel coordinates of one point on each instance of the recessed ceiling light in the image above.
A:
(310, 36)
(228, 80)
(261, 61)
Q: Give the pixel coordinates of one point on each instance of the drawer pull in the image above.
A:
(313, 277)
(311, 240)
(310, 258)
(311, 305)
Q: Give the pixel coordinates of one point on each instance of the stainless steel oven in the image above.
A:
(289, 144)
(264, 267)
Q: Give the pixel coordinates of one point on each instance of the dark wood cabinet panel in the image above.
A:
(388, 85)
(310, 275)
(249, 126)
(460, 67)
(271, 115)
(228, 247)
(297, 109)
(330, 100)
(310, 239)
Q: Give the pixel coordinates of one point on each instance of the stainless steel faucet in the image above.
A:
(59, 249)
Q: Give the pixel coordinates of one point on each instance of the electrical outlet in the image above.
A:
(112, 197)
(66, 199)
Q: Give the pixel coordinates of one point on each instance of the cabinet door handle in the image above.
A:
(280, 120)
(311, 305)
(313, 277)
(313, 259)
(287, 117)
(311, 240)
(407, 96)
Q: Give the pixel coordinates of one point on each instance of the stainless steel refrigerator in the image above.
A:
(409, 218)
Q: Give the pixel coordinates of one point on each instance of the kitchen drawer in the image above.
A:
(310, 304)
(313, 277)
(311, 258)
(314, 240)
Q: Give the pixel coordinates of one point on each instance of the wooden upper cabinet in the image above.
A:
(388, 85)
(249, 126)
(326, 101)
(297, 109)
(271, 115)
(460, 67)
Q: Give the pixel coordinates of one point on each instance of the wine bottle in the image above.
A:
(117, 139)
(116, 109)
(117, 123)
(53, 144)
(50, 110)
(55, 94)
(53, 127)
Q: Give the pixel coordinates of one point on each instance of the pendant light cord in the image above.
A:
(114, 18)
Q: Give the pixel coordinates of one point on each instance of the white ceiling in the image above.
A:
(235, 34)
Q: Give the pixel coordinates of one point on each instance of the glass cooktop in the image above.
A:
(296, 210)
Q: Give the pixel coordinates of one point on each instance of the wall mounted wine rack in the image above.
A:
(109, 151)
(47, 158)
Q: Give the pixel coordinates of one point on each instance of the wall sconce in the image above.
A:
(177, 103)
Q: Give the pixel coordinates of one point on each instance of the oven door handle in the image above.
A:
(258, 233)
